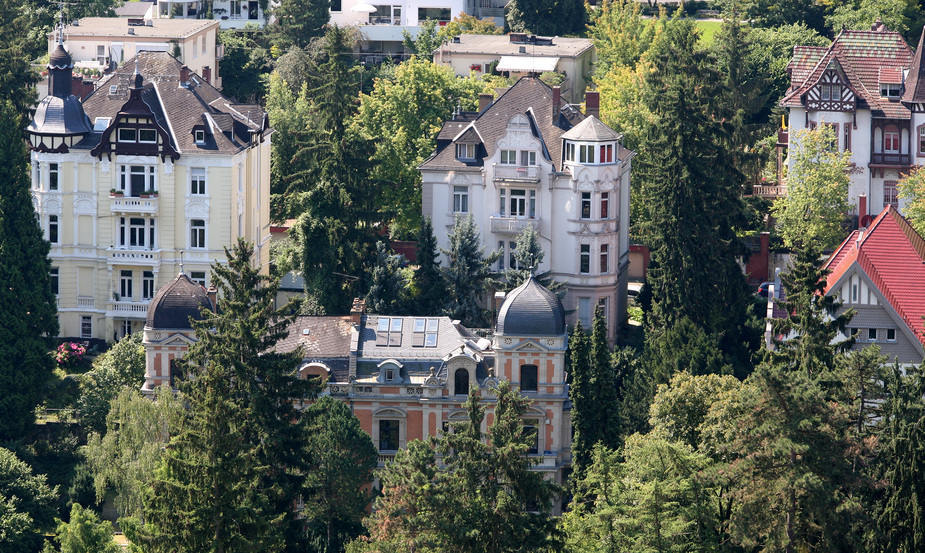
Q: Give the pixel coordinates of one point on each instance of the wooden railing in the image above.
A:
(890, 159)
(772, 191)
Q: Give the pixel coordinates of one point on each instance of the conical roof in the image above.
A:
(531, 310)
(60, 59)
(177, 302)
(591, 130)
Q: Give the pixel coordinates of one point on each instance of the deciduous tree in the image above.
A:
(120, 367)
(27, 506)
(85, 533)
(912, 192)
(546, 17)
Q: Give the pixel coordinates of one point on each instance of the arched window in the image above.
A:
(461, 382)
(528, 378)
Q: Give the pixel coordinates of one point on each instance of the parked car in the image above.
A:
(764, 288)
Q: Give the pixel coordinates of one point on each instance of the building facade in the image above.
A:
(154, 171)
(528, 158)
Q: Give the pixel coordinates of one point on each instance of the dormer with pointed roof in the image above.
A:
(914, 88)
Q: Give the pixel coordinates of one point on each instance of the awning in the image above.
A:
(527, 64)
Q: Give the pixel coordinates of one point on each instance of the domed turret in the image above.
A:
(60, 121)
(177, 302)
(591, 142)
(531, 310)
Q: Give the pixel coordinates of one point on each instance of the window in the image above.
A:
(461, 382)
(836, 92)
(388, 435)
(585, 265)
(528, 378)
(501, 208)
(52, 176)
(199, 277)
(147, 285)
(100, 123)
(512, 256)
(388, 332)
(891, 140)
(922, 140)
(134, 180)
(847, 139)
(86, 326)
(607, 153)
(825, 92)
(569, 151)
(133, 234)
(203, 45)
(891, 335)
(584, 312)
(501, 258)
(832, 142)
(527, 158)
(128, 135)
(530, 429)
(125, 285)
(53, 279)
(126, 327)
(605, 205)
(852, 332)
(197, 181)
(101, 54)
(199, 136)
(872, 334)
(605, 258)
(425, 332)
(508, 157)
(602, 306)
(854, 293)
(440, 14)
(460, 199)
(336, 5)
(390, 374)
(147, 136)
(890, 90)
(586, 154)
(235, 9)
(197, 233)
(890, 195)
(518, 203)
(585, 205)
(465, 151)
(53, 229)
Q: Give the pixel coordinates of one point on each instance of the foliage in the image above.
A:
(775, 13)
(529, 254)
(298, 22)
(125, 457)
(120, 367)
(69, 354)
(26, 505)
(817, 190)
(912, 192)
(341, 459)
(230, 476)
(402, 117)
(425, 43)
(27, 305)
(546, 17)
(860, 14)
(17, 78)
(581, 395)
(773, 50)
(469, 25)
(621, 36)
(387, 290)
(246, 59)
(468, 273)
(86, 533)
(427, 286)
(476, 500)
(680, 407)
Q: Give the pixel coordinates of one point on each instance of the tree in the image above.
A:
(27, 505)
(387, 291)
(546, 17)
(468, 273)
(248, 61)
(427, 285)
(680, 407)
(85, 533)
(477, 499)
(620, 35)
(468, 24)
(230, 476)
(912, 192)
(27, 304)
(425, 43)
(580, 392)
(298, 22)
(120, 367)
(817, 190)
(17, 78)
(341, 459)
(774, 13)
(861, 14)
(529, 254)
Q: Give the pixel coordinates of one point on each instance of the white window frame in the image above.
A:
(126, 281)
(142, 132)
(54, 279)
(584, 259)
(54, 176)
(127, 135)
(199, 137)
(54, 222)
(86, 326)
(584, 312)
(508, 157)
(126, 172)
(460, 199)
(605, 259)
(585, 206)
(198, 181)
(465, 151)
(528, 158)
(200, 280)
(197, 234)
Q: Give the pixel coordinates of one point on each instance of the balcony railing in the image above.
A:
(128, 204)
(769, 192)
(517, 172)
(128, 309)
(512, 225)
(890, 159)
(125, 256)
(85, 302)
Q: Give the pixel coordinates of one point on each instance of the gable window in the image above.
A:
(585, 259)
(199, 136)
(461, 382)
(125, 285)
(199, 277)
(890, 90)
(508, 157)
(891, 335)
(197, 233)
(147, 285)
(147, 136)
(891, 139)
(527, 158)
(460, 199)
(465, 151)
(528, 378)
(585, 205)
(872, 334)
(53, 229)
(390, 374)
(605, 205)
(53, 279)
(128, 135)
(198, 181)
(890, 195)
(605, 258)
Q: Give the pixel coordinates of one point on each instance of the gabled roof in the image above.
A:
(892, 254)
(863, 56)
(915, 82)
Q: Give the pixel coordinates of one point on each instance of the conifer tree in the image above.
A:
(584, 430)
(427, 284)
(468, 274)
(27, 304)
(229, 479)
(605, 386)
(387, 291)
(529, 253)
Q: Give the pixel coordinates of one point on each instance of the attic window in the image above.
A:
(890, 90)
(128, 134)
(199, 136)
(147, 136)
(465, 151)
(425, 333)
(100, 123)
(113, 88)
(388, 332)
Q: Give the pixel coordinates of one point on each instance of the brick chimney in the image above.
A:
(184, 75)
(485, 100)
(862, 207)
(207, 74)
(357, 311)
(556, 102)
(212, 293)
(593, 103)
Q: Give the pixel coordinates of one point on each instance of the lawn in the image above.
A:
(707, 30)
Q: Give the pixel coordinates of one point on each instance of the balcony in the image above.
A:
(512, 225)
(130, 204)
(133, 257)
(128, 309)
(889, 159)
(769, 192)
(530, 173)
(85, 302)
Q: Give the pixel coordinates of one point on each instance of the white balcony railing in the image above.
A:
(126, 204)
(128, 256)
(85, 302)
(512, 225)
(123, 308)
(517, 172)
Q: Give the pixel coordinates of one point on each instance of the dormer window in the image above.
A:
(147, 136)
(465, 151)
(199, 136)
(128, 135)
(100, 123)
(508, 157)
(890, 90)
(830, 91)
(390, 374)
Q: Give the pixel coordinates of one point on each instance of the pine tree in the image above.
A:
(605, 386)
(17, 50)
(229, 479)
(529, 253)
(387, 291)
(468, 274)
(298, 22)
(27, 305)
(584, 429)
(427, 284)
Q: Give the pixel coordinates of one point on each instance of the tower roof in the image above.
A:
(591, 129)
(176, 303)
(531, 310)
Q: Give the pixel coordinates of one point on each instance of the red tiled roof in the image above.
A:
(892, 254)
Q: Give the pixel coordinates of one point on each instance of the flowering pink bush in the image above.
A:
(69, 354)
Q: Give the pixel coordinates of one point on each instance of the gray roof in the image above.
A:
(531, 310)
(115, 27)
(61, 116)
(448, 339)
(501, 45)
(319, 337)
(133, 9)
(591, 130)
(176, 302)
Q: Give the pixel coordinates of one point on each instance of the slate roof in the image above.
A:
(914, 90)
(892, 254)
(865, 57)
(60, 112)
(327, 341)
(179, 109)
(176, 302)
(531, 310)
(590, 130)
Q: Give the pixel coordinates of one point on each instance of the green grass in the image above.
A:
(707, 30)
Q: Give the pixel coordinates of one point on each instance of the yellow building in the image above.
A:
(154, 171)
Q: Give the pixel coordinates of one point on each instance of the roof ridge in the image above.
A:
(915, 239)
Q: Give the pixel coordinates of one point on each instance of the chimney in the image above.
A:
(556, 103)
(862, 208)
(485, 100)
(518, 38)
(357, 311)
(207, 74)
(593, 103)
(522, 50)
(212, 293)
(184, 76)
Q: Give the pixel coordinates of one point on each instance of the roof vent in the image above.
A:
(456, 40)
(149, 23)
(523, 49)
(131, 30)
(136, 22)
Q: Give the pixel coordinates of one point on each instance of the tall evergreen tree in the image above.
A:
(298, 22)
(605, 386)
(17, 49)
(387, 291)
(229, 479)
(584, 431)
(546, 17)
(27, 304)
(468, 274)
(528, 253)
(428, 287)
